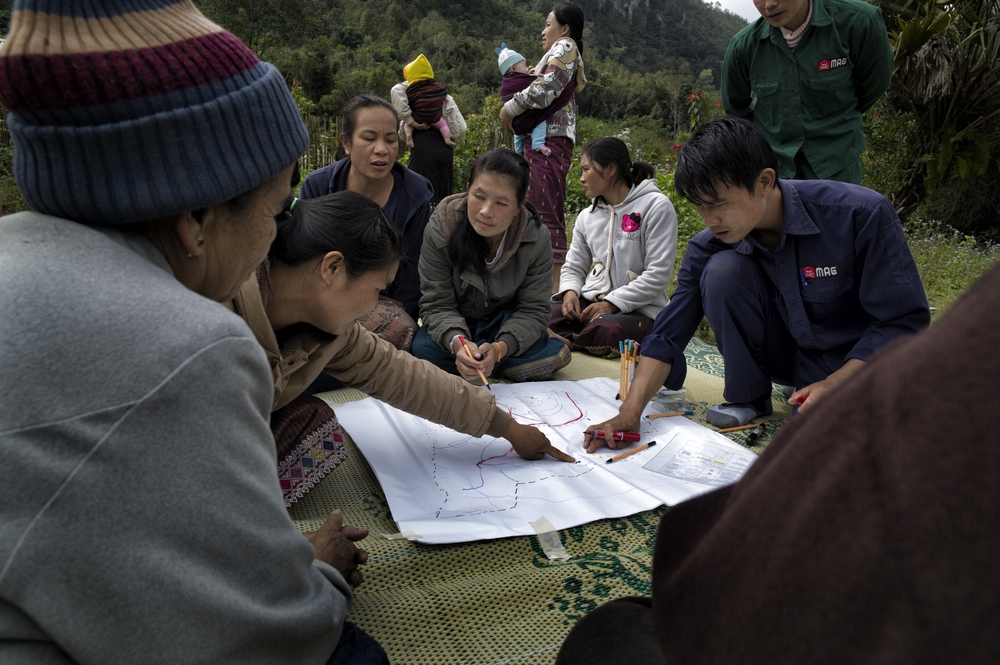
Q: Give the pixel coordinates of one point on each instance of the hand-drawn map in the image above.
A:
(450, 487)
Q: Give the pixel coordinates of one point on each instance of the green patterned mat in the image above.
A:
(499, 601)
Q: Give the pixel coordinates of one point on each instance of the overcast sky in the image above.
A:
(743, 8)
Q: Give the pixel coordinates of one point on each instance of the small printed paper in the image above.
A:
(693, 459)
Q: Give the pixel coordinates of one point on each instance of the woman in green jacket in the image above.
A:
(485, 279)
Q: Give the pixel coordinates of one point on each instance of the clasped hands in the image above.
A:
(571, 308)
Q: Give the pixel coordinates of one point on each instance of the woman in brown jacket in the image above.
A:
(329, 261)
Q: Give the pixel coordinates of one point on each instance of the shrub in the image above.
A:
(10, 196)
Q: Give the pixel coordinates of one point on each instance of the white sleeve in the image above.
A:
(456, 121)
(579, 258)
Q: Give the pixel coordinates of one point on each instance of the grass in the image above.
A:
(948, 262)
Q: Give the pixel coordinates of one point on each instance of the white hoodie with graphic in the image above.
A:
(624, 254)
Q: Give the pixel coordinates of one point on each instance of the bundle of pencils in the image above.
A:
(629, 350)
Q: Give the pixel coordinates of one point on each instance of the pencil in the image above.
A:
(632, 357)
(741, 427)
(621, 371)
(628, 364)
(472, 358)
(626, 359)
(631, 452)
(670, 414)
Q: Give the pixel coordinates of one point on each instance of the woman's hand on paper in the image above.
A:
(334, 544)
(531, 444)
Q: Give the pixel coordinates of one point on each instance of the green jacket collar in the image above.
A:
(764, 30)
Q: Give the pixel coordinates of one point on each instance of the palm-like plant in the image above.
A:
(946, 75)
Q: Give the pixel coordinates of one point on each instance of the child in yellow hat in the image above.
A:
(426, 99)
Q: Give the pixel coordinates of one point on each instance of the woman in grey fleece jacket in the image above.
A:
(615, 278)
(485, 276)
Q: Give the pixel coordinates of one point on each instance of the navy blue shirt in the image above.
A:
(409, 208)
(844, 277)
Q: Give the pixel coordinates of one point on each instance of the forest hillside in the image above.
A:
(639, 54)
(653, 70)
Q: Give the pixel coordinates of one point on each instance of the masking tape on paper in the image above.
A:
(548, 538)
(405, 535)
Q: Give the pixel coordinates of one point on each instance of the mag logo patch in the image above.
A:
(827, 65)
(812, 272)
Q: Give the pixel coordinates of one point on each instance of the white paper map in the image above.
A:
(449, 487)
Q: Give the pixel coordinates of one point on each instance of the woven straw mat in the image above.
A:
(498, 601)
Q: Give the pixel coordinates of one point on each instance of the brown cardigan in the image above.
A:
(869, 531)
(362, 360)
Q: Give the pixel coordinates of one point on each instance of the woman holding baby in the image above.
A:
(558, 76)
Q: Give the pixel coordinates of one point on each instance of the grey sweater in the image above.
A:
(140, 514)
(624, 254)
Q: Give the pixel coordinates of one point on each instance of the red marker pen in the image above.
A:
(631, 437)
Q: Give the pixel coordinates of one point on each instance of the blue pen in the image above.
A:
(802, 276)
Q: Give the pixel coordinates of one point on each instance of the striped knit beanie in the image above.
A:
(127, 110)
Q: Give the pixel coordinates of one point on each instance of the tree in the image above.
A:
(263, 24)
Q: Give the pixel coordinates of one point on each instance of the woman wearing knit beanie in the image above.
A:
(140, 516)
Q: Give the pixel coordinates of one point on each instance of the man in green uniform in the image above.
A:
(814, 66)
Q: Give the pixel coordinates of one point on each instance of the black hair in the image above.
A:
(466, 248)
(504, 162)
(349, 118)
(572, 16)
(726, 151)
(345, 222)
(608, 150)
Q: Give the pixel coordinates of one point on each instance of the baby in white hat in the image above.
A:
(515, 79)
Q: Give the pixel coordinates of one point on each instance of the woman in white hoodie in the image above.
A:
(621, 257)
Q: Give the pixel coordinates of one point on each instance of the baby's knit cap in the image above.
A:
(127, 110)
(418, 70)
(507, 58)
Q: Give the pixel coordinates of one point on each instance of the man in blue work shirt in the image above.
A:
(801, 280)
(804, 72)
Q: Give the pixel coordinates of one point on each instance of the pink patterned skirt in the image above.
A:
(547, 191)
(310, 445)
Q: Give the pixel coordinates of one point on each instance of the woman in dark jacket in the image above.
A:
(368, 138)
